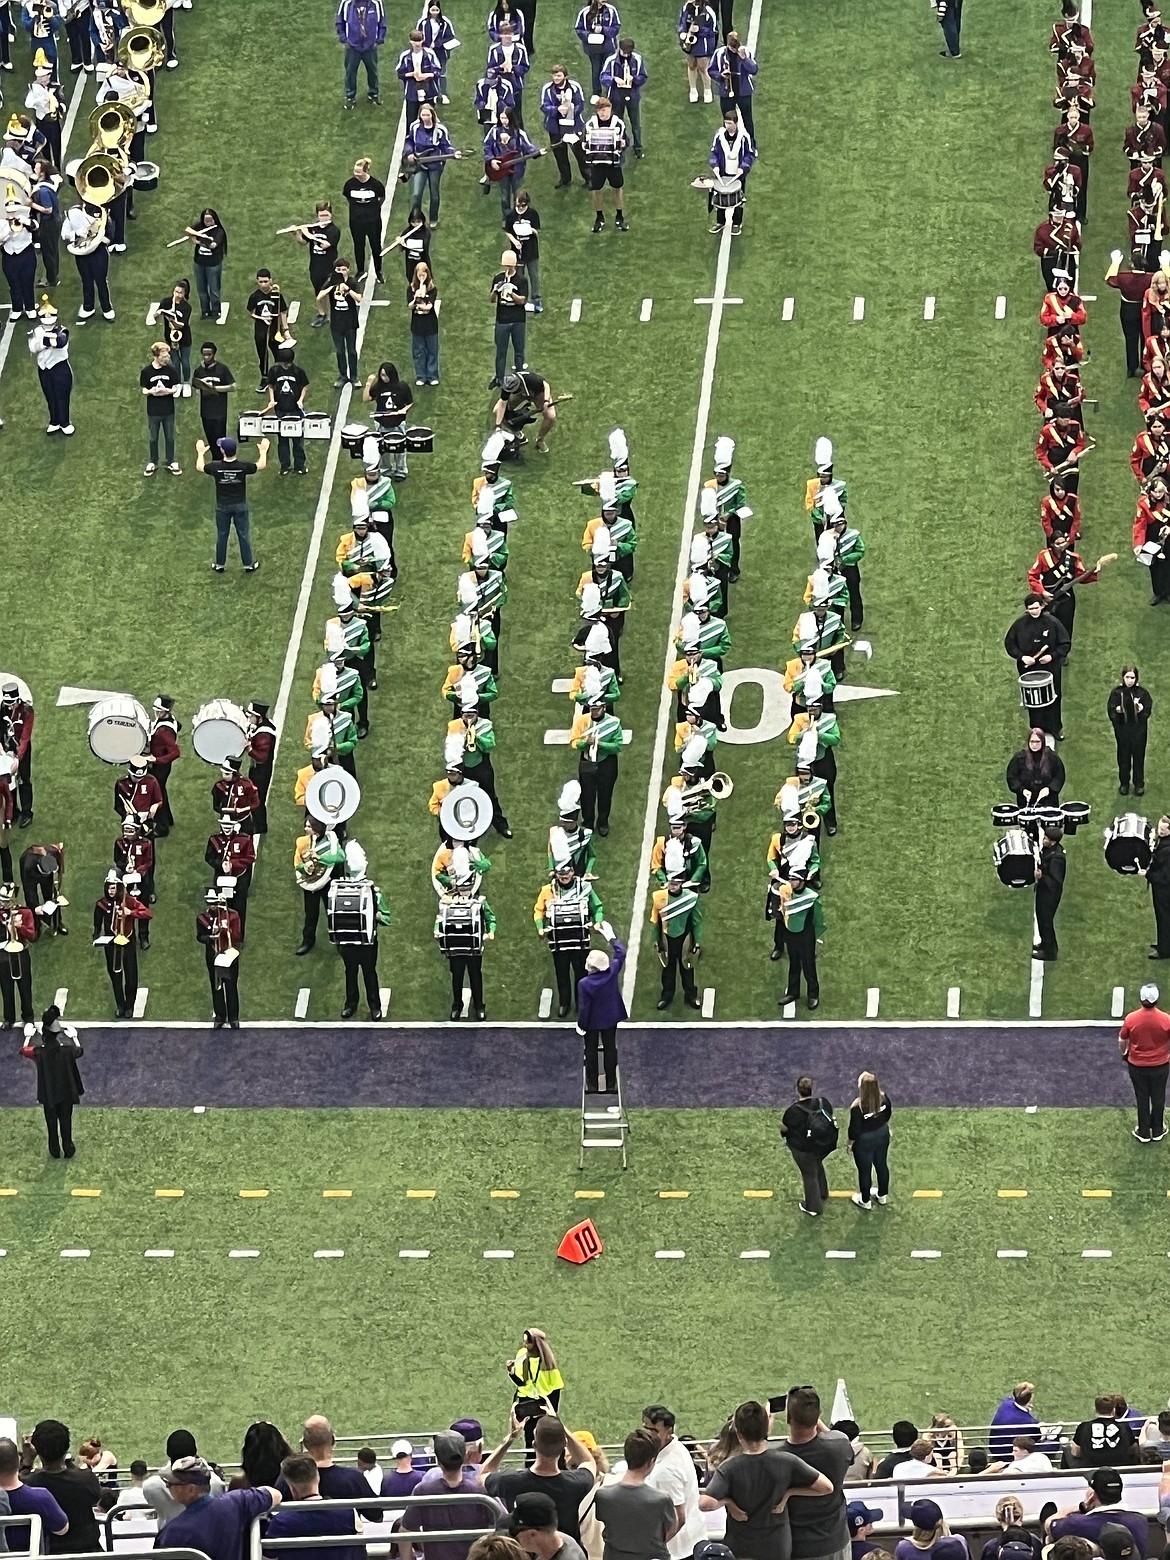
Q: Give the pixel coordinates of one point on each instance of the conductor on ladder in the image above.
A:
(600, 1009)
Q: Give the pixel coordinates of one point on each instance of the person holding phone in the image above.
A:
(537, 1379)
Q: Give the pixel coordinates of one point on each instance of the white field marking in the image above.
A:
(754, 1256)
(152, 314)
(1036, 982)
(954, 996)
(859, 308)
(159, 1251)
(1000, 307)
(329, 1253)
(467, 1004)
(872, 998)
(647, 307)
(294, 311)
(1008, 1253)
(708, 1001)
(927, 1254)
(379, 303)
(1087, 12)
(1029, 1110)
(561, 738)
(670, 1256)
(1117, 1010)
(789, 1010)
(224, 306)
(76, 1251)
(1018, 1025)
(3, 1251)
(66, 131)
(61, 997)
(321, 513)
(788, 310)
(574, 311)
(1093, 1252)
(414, 1254)
(384, 998)
(244, 1252)
(499, 1254)
(140, 1001)
(201, 1110)
(840, 1255)
(545, 1002)
(561, 684)
(928, 309)
(1088, 297)
(68, 696)
(302, 1006)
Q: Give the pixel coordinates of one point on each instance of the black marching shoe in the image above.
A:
(813, 1003)
(457, 1011)
(54, 1153)
(692, 1001)
(349, 1010)
(598, 222)
(1123, 790)
(663, 1002)
(218, 1023)
(481, 1013)
(375, 1015)
(503, 830)
(775, 954)
(305, 947)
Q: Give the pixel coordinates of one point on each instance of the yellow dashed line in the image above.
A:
(420, 1194)
(678, 1195)
(13, 1191)
(597, 1196)
(169, 1191)
(505, 1194)
(85, 1191)
(1097, 1194)
(253, 1194)
(339, 1193)
(1010, 1193)
(772, 1194)
(846, 1195)
(926, 1194)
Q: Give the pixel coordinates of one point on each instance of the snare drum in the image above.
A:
(1015, 859)
(354, 436)
(1037, 690)
(351, 912)
(119, 729)
(568, 925)
(1127, 844)
(219, 731)
(145, 176)
(1074, 814)
(318, 425)
(420, 440)
(248, 426)
(461, 928)
(726, 192)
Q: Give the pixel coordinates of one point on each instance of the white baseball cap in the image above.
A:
(1149, 993)
(402, 1449)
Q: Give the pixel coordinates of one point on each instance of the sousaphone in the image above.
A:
(465, 813)
(146, 13)
(332, 795)
(100, 178)
(143, 48)
(112, 127)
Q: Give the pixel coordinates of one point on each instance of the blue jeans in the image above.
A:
(208, 280)
(427, 178)
(425, 350)
(183, 355)
(871, 1156)
(514, 332)
(366, 57)
(507, 187)
(167, 424)
(532, 268)
(227, 515)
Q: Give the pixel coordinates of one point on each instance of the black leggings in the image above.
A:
(363, 235)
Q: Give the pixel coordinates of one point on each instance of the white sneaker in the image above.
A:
(84, 314)
(444, 98)
(857, 1198)
(707, 96)
(69, 430)
(108, 314)
(149, 469)
(186, 392)
(694, 94)
(812, 1213)
(883, 1200)
(53, 428)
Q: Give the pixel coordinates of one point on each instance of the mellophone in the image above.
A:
(1016, 853)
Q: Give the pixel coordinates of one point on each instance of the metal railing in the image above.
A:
(36, 1533)
(388, 1505)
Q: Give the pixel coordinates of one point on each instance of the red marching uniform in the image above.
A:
(17, 720)
(110, 914)
(1154, 391)
(1149, 452)
(1059, 349)
(238, 798)
(1056, 311)
(1063, 32)
(1063, 515)
(1050, 389)
(1149, 520)
(137, 796)
(233, 855)
(1054, 446)
(1053, 569)
(164, 751)
(17, 925)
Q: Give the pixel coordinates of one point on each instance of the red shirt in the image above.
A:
(1148, 1033)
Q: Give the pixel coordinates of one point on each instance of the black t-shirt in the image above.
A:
(269, 305)
(231, 479)
(507, 313)
(566, 1489)
(323, 240)
(155, 378)
(210, 250)
(531, 385)
(392, 402)
(287, 381)
(213, 401)
(76, 1491)
(423, 319)
(1103, 1442)
(365, 197)
(416, 246)
(527, 248)
(180, 314)
(343, 309)
(335, 1483)
(797, 1117)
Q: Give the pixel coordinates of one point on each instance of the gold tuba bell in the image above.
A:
(146, 13)
(112, 127)
(100, 178)
(720, 785)
(142, 47)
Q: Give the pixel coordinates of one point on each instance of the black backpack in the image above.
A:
(822, 1129)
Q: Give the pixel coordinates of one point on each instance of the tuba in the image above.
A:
(100, 178)
(146, 13)
(112, 127)
(142, 47)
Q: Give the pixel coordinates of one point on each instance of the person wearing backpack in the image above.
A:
(810, 1132)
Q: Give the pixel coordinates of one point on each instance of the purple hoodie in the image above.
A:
(361, 24)
(599, 997)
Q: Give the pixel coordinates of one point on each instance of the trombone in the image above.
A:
(13, 947)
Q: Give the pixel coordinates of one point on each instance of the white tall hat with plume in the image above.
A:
(823, 455)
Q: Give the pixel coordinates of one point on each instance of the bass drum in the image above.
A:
(219, 731)
(1127, 844)
(119, 729)
(351, 912)
(461, 928)
(1015, 859)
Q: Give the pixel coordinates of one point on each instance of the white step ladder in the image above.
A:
(604, 1123)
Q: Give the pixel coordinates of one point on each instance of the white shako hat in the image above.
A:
(675, 859)
(823, 456)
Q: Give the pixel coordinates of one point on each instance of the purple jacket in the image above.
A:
(599, 996)
(361, 23)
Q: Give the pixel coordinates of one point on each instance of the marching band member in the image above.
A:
(464, 889)
(85, 232)
(468, 664)
(698, 801)
(479, 742)
(824, 630)
(803, 922)
(337, 679)
(623, 75)
(268, 311)
(677, 917)
(215, 382)
(452, 777)
(334, 731)
(114, 916)
(18, 258)
(321, 237)
(817, 729)
(716, 546)
(7, 783)
(698, 32)
(1154, 390)
(732, 154)
(425, 154)
(1061, 384)
(806, 794)
(343, 301)
(578, 838)
(19, 928)
(231, 854)
(361, 28)
(595, 681)
(161, 385)
(1129, 709)
(365, 196)
(597, 738)
(850, 550)
(219, 929)
(809, 665)
(42, 871)
(509, 59)
(1062, 306)
(605, 145)
(354, 632)
(733, 70)
(1150, 456)
(700, 630)
(261, 749)
(17, 720)
(1152, 525)
(1077, 139)
(163, 751)
(825, 497)
(522, 391)
(211, 245)
(1060, 510)
(492, 96)
(510, 298)
(317, 762)
(286, 385)
(614, 592)
(500, 487)
(317, 854)
(1037, 639)
(696, 724)
(730, 495)
(45, 104)
(1156, 304)
(1070, 28)
(826, 588)
(138, 794)
(486, 531)
(1061, 180)
(375, 586)
(703, 586)
(1060, 445)
(598, 25)
(1035, 775)
(360, 955)
(1144, 138)
(565, 885)
(562, 106)
(234, 795)
(445, 855)
(792, 849)
(1049, 890)
(371, 505)
(49, 344)
(623, 535)
(695, 871)
(1062, 345)
(491, 592)
(1052, 577)
(689, 669)
(439, 36)
(134, 860)
(1057, 243)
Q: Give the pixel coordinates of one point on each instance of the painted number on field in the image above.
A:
(775, 703)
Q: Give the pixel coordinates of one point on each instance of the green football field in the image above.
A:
(917, 1312)
(919, 180)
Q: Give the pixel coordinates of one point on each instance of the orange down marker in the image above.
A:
(581, 1243)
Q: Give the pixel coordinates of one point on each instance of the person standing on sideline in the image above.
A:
(1129, 710)
(1131, 284)
(869, 1139)
(361, 28)
(215, 382)
(1144, 1042)
(820, 1528)
(950, 19)
(536, 1375)
(1049, 888)
(810, 1132)
(162, 385)
(510, 297)
(1157, 875)
(600, 1009)
(55, 1049)
(422, 299)
(230, 476)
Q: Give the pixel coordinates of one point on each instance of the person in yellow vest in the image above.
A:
(677, 917)
(536, 1377)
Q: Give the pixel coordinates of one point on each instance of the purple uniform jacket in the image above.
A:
(599, 996)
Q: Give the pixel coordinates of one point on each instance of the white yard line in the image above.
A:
(872, 997)
(1117, 1008)
(859, 308)
(709, 1002)
(140, 1001)
(666, 698)
(302, 1007)
(1036, 982)
(1000, 307)
(788, 310)
(928, 309)
(575, 311)
(545, 1002)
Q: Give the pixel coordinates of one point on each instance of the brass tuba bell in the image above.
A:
(112, 127)
(146, 13)
(100, 178)
(142, 47)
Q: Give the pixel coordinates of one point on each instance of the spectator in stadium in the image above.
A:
(1156, 1434)
(1101, 1503)
(869, 1140)
(725, 1445)
(1104, 1440)
(76, 1490)
(472, 1432)
(367, 1461)
(1144, 1043)
(180, 1444)
(863, 1459)
(904, 1436)
(1024, 1459)
(215, 1525)
(1115, 1542)
(861, 1519)
(28, 1501)
(566, 1486)
(1012, 1416)
(674, 1473)
(302, 1476)
(264, 1451)
(532, 1522)
(948, 1451)
(756, 1485)
(819, 1527)
(130, 1497)
(450, 1477)
(805, 1128)
(404, 1476)
(930, 1535)
(337, 1483)
(535, 1376)
(98, 1458)
(977, 1460)
(919, 1464)
(1014, 1542)
(639, 1520)
(496, 1546)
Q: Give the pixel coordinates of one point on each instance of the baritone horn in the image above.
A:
(100, 178)
(142, 47)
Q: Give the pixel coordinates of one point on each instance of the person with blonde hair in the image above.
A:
(949, 1452)
(869, 1140)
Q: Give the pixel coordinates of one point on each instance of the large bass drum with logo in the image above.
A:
(465, 813)
(352, 912)
(119, 729)
(568, 925)
(461, 930)
(332, 795)
(1015, 859)
(1127, 844)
